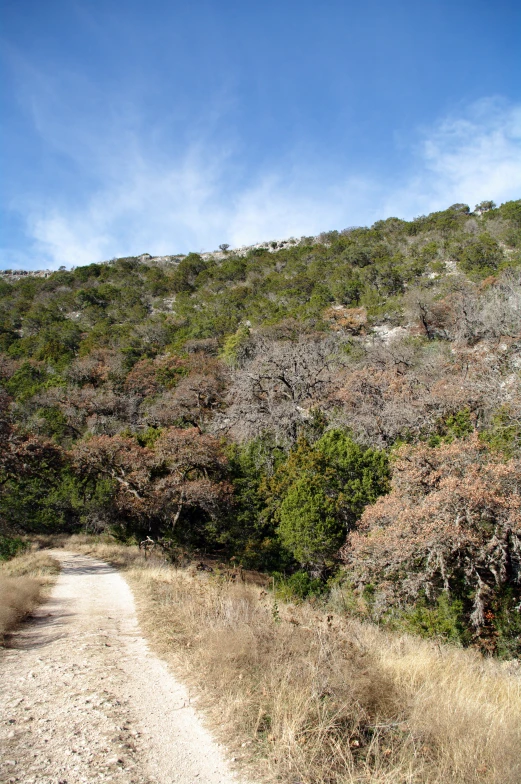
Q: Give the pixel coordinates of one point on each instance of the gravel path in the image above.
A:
(83, 699)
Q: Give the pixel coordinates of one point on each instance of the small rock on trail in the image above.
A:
(84, 700)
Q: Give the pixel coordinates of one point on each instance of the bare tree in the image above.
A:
(402, 390)
(278, 386)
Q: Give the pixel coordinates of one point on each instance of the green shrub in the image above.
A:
(444, 619)
(11, 546)
(309, 526)
(482, 255)
(504, 433)
(506, 622)
(298, 586)
(456, 425)
(319, 492)
(234, 344)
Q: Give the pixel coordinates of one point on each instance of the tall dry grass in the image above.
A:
(24, 582)
(306, 696)
(121, 556)
(319, 699)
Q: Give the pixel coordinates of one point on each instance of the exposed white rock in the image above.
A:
(386, 333)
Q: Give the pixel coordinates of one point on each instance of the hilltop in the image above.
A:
(272, 246)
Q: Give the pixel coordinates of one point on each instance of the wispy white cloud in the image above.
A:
(197, 198)
(467, 157)
(148, 208)
(300, 202)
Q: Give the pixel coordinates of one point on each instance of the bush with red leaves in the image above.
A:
(184, 472)
(451, 524)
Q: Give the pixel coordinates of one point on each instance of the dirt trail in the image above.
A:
(83, 699)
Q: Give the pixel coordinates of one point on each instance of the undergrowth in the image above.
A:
(322, 699)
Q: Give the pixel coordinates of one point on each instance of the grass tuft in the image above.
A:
(24, 582)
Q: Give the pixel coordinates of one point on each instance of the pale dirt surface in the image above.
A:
(83, 699)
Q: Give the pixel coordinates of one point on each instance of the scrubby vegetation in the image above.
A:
(317, 699)
(342, 412)
(300, 692)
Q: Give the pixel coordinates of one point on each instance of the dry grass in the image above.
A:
(318, 699)
(121, 556)
(338, 701)
(24, 582)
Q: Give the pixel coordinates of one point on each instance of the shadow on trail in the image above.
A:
(46, 625)
(97, 568)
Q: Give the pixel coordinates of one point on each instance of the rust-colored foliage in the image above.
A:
(23, 455)
(186, 468)
(452, 523)
(149, 376)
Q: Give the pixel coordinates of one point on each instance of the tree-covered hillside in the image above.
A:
(348, 399)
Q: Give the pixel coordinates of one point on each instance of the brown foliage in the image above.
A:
(96, 368)
(454, 514)
(276, 388)
(185, 469)
(149, 376)
(195, 398)
(208, 346)
(399, 390)
(8, 367)
(352, 320)
(100, 410)
(470, 313)
(20, 454)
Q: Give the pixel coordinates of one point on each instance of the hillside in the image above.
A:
(342, 409)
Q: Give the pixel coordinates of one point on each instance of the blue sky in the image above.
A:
(166, 126)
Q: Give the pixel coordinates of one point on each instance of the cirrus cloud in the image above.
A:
(147, 201)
